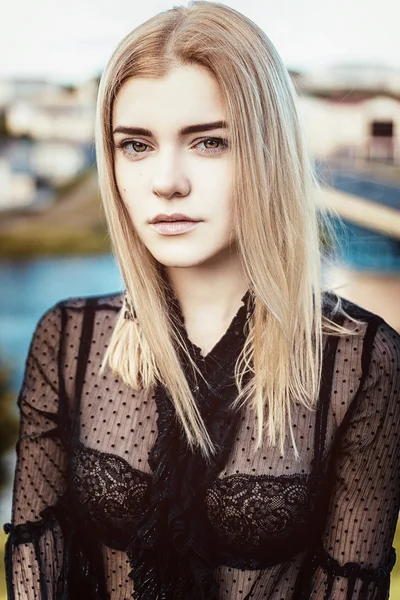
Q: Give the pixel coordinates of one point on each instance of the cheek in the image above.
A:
(124, 186)
(130, 181)
(223, 198)
(125, 175)
(223, 186)
(120, 177)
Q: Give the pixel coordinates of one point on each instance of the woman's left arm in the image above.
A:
(355, 554)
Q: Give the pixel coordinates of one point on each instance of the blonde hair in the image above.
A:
(275, 222)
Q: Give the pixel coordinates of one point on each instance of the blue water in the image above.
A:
(29, 288)
(360, 248)
(383, 193)
(365, 250)
(360, 183)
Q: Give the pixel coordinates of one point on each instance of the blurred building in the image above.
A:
(54, 113)
(17, 189)
(12, 90)
(47, 139)
(352, 111)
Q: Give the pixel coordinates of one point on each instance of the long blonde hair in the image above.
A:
(275, 221)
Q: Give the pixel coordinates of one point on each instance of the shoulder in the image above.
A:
(69, 313)
(106, 302)
(378, 341)
(338, 309)
(366, 371)
(83, 304)
(384, 352)
(343, 311)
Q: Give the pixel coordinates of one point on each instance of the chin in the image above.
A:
(183, 260)
(181, 263)
(189, 255)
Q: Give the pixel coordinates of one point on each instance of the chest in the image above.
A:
(260, 496)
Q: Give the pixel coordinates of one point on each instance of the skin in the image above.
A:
(169, 169)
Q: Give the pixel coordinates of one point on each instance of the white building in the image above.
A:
(361, 120)
(368, 128)
(352, 77)
(57, 162)
(17, 190)
(55, 113)
(12, 90)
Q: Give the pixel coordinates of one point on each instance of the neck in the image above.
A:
(209, 296)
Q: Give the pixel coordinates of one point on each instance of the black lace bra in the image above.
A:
(250, 515)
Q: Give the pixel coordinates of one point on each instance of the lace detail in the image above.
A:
(109, 491)
(246, 510)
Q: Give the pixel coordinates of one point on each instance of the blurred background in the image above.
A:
(344, 59)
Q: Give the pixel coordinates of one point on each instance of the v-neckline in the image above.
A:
(231, 340)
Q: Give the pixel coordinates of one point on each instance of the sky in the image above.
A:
(71, 41)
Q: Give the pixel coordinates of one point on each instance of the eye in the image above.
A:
(135, 147)
(214, 144)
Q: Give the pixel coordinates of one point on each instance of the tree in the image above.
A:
(4, 133)
(8, 421)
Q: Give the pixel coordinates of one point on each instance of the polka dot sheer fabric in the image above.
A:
(275, 527)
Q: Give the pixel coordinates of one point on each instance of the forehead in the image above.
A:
(186, 95)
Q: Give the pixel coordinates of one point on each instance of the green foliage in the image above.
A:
(3, 595)
(48, 241)
(4, 133)
(73, 225)
(9, 421)
(73, 184)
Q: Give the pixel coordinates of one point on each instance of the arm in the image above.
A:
(34, 551)
(355, 556)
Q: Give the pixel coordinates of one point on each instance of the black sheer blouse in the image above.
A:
(109, 503)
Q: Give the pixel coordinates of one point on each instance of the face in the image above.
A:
(173, 168)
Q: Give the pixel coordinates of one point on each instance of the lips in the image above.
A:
(175, 224)
(175, 217)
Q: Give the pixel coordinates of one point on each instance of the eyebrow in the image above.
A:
(188, 129)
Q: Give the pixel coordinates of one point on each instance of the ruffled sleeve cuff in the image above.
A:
(53, 559)
(351, 581)
(34, 559)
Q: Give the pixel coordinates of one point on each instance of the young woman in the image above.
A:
(225, 429)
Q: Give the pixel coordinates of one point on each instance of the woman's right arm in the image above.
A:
(35, 547)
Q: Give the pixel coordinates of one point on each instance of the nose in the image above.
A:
(170, 179)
